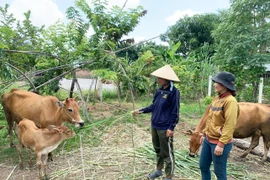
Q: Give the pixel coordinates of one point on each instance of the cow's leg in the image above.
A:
(50, 157)
(38, 155)
(254, 143)
(29, 157)
(10, 127)
(19, 148)
(266, 147)
(45, 164)
(10, 123)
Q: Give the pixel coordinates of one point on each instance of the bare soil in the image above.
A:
(114, 158)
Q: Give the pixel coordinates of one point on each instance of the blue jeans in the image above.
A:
(220, 162)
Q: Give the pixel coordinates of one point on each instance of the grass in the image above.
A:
(188, 168)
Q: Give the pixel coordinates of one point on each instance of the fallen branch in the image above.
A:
(242, 144)
(11, 172)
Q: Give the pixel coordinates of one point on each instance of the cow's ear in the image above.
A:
(56, 130)
(50, 127)
(59, 103)
(188, 132)
(53, 128)
(66, 100)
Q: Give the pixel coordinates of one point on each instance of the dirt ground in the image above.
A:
(115, 158)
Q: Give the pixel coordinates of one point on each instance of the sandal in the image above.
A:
(154, 175)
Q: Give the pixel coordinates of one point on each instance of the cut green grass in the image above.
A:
(188, 168)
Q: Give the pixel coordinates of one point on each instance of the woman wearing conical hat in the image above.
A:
(165, 115)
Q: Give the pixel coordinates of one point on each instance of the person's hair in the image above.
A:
(233, 93)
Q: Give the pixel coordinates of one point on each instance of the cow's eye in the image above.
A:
(70, 110)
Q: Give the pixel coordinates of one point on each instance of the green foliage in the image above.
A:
(106, 74)
(246, 94)
(185, 76)
(243, 39)
(110, 25)
(109, 95)
(170, 54)
(207, 100)
(192, 32)
(42, 64)
(138, 73)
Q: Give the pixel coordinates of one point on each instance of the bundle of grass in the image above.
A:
(188, 168)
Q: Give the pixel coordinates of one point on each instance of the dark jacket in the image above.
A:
(165, 109)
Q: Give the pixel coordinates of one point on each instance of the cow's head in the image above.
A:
(64, 131)
(71, 111)
(194, 142)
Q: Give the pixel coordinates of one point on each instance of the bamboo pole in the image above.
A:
(11, 173)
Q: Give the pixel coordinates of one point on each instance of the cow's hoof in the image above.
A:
(21, 165)
(30, 165)
(50, 159)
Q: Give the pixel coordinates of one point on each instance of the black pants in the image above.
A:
(163, 146)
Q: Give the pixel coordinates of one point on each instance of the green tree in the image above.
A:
(193, 32)
(17, 36)
(243, 40)
(109, 25)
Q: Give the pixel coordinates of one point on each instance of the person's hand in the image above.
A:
(136, 112)
(169, 133)
(218, 151)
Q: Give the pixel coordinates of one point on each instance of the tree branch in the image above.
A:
(22, 74)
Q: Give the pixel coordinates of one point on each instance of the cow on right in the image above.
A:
(252, 120)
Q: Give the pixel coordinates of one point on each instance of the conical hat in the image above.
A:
(166, 72)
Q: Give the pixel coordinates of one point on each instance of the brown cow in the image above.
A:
(43, 110)
(253, 121)
(42, 141)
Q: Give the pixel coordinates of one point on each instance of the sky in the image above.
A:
(161, 14)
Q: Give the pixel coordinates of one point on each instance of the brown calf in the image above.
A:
(42, 141)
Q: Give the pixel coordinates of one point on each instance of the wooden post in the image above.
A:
(210, 85)
(260, 90)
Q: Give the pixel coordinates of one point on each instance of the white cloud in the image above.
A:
(171, 20)
(43, 12)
